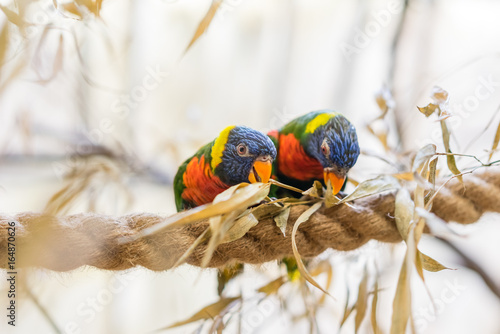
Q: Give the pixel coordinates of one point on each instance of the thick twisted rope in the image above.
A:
(66, 243)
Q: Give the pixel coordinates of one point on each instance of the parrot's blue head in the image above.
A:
(246, 156)
(335, 145)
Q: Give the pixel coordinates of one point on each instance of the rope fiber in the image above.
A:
(66, 243)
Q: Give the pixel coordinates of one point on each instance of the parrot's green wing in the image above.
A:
(179, 185)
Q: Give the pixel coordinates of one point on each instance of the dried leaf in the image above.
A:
(240, 227)
(437, 226)
(439, 95)
(330, 198)
(267, 210)
(73, 9)
(452, 165)
(226, 274)
(384, 101)
(208, 312)
(4, 42)
(282, 219)
(285, 186)
(13, 17)
(407, 176)
(404, 212)
(362, 301)
(219, 226)
(205, 23)
(245, 195)
(347, 310)
(430, 264)
(303, 271)
(432, 181)
(323, 267)
(423, 155)
(315, 191)
(381, 136)
(273, 286)
(371, 187)
(496, 140)
(428, 109)
(401, 306)
(373, 318)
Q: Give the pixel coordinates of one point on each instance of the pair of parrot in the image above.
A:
(320, 145)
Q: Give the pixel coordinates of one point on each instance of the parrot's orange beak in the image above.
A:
(261, 170)
(335, 180)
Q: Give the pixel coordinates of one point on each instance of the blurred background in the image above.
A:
(106, 98)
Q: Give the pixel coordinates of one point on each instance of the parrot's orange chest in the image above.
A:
(201, 184)
(294, 162)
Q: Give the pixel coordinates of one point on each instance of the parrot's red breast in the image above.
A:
(201, 184)
(294, 162)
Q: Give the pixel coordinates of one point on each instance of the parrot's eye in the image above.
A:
(242, 149)
(325, 149)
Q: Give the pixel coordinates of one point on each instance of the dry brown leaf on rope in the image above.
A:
(315, 191)
(286, 186)
(204, 23)
(281, 219)
(207, 313)
(240, 227)
(244, 196)
(404, 209)
(300, 265)
(372, 187)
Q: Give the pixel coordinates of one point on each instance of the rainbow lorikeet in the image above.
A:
(238, 154)
(321, 145)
